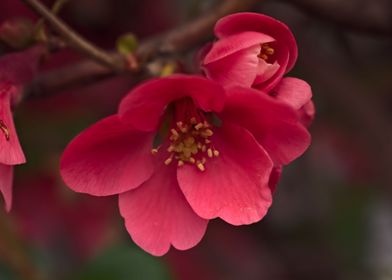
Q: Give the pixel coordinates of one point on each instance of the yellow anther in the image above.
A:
(5, 130)
(207, 141)
(209, 153)
(174, 132)
(184, 129)
(169, 160)
(154, 151)
(269, 51)
(192, 160)
(199, 125)
(207, 133)
(199, 145)
(171, 148)
(263, 56)
(201, 166)
(216, 153)
(180, 163)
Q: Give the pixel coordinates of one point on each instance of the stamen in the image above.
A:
(209, 152)
(169, 160)
(5, 130)
(201, 166)
(266, 51)
(198, 126)
(180, 163)
(174, 132)
(154, 151)
(216, 153)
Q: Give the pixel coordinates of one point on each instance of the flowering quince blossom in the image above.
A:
(15, 69)
(183, 150)
(255, 50)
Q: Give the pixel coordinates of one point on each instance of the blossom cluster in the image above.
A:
(185, 149)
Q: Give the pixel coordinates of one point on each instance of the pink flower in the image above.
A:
(252, 50)
(15, 69)
(181, 151)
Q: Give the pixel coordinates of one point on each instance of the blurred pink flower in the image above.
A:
(213, 156)
(252, 50)
(15, 69)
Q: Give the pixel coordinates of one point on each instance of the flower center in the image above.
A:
(5, 130)
(266, 51)
(190, 138)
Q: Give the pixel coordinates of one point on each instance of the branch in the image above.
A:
(173, 41)
(192, 33)
(75, 40)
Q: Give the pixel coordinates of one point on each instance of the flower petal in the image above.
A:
(274, 124)
(234, 186)
(265, 71)
(157, 215)
(238, 69)
(144, 106)
(10, 150)
(107, 158)
(234, 43)
(6, 178)
(294, 92)
(275, 177)
(242, 22)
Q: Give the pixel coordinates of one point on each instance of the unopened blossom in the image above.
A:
(252, 50)
(183, 150)
(15, 69)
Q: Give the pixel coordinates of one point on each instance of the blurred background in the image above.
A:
(332, 211)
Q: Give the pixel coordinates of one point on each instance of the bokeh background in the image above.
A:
(332, 211)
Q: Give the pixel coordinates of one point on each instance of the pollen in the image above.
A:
(190, 143)
(266, 51)
(5, 130)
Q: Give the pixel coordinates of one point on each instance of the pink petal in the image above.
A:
(157, 215)
(10, 150)
(144, 106)
(234, 185)
(265, 71)
(274, 124)
(242, 22)
(107, 158)
(238, 69)
(294, 92)
(275, 177)
(234, 43)
(6, 178)
(307, 113)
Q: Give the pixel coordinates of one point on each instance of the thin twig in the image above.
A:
(173, 41)
(75, 40)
